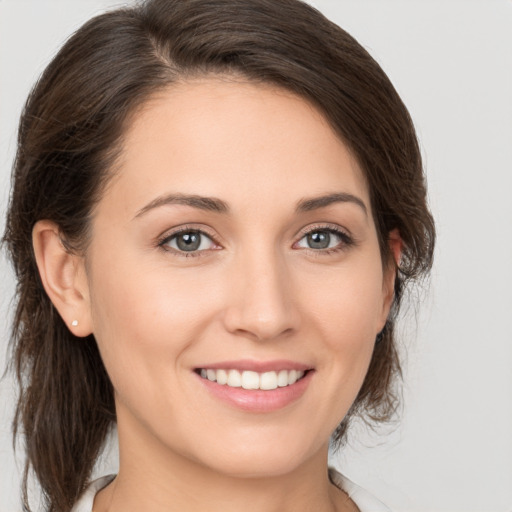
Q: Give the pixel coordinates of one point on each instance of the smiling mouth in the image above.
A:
(266, 381)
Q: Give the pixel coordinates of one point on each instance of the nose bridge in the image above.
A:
(261, 303)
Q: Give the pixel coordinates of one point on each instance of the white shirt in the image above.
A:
(364, 500)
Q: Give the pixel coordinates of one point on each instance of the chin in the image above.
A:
(262, 460)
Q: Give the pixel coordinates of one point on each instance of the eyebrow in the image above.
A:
(211, 204)
(214, 204)
(313, 203)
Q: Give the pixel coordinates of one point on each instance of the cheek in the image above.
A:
(143, 320)
(347, 314)
(349, 307)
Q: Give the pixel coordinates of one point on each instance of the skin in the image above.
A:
(254, 291)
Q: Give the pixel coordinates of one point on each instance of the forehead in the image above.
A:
(221, 136)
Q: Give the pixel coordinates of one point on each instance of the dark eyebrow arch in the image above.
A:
(211, 204)
(313, 203)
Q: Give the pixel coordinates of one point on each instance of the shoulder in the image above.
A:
(363, 499)
(86, 501)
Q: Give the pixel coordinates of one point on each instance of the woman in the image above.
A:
(216, 207)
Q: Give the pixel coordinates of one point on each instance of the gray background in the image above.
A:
(452, 63)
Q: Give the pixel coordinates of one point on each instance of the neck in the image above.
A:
(160, 480)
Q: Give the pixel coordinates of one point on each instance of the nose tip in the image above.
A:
(261, 304)
(263, 327)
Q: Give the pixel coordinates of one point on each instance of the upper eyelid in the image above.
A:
(325, 226)
(170, 233)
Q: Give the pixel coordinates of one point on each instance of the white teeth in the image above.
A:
(282, 379)
(234, 379)
(268, 380)
(222, 377)
(253, 380)
(250, 380)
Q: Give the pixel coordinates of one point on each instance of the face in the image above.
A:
(235, 284)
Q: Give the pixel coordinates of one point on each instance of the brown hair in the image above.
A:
(71, 132)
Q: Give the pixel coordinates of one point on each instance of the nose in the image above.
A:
(261, 304)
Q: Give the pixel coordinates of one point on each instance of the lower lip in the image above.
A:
(257, 400)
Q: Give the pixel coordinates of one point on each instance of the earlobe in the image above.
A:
(63, 277)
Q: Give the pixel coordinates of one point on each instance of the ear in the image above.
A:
(395, 244)
(63, 277)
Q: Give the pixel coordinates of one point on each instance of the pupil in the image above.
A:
(188, 241)
(319, 240)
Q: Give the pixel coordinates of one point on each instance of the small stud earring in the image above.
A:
(74, 323)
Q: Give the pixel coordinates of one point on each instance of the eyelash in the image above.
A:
(346, 240)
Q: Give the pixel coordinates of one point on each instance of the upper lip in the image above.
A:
(257, 366)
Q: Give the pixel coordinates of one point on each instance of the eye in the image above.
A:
(324, 239)
(189, 241)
